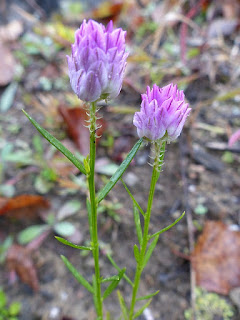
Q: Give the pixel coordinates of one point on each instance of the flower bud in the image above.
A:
(163, 113)
(98, 61)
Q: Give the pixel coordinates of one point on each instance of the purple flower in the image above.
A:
(163, 113)
(97, 62)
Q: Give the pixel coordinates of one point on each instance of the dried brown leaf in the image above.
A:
(216, 258)
(19, 260)
(7, 65)
(75, 119)
(22, 206)
(108, 10)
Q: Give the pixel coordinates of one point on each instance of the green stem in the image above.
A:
(143, 246)
(92, 193)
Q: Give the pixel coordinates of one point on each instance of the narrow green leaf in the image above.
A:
(132, 197)
(113, 285)
(95, 295)
(117, 175)
(30, 233)
(113, 278)
(88, 205)
(122, 305)
(136, 252)
(110, 258)
(137, 223)
(140, 311)
(57, 144)
(70, 244)
(77, 275)
(148, 296)
(150, 251)
(108, 316)
(168, 227)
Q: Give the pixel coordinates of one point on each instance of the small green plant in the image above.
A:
(209, 306)
(53, 222)
(4, 248)
(10, 312)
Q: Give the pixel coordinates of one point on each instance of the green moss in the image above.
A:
(209, 306)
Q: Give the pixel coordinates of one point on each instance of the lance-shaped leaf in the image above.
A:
(113, 284)
(132, 197)
(140, 311)
(117, 175)
(150, 250)
(70, 244)
(77, 275)
(113, 278)
(168, 227)
(119, 269)
(137, 223)
(136, 253)
(147, 296)
(122, 305)
(57, 144)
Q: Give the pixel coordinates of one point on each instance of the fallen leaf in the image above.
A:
(69, 208)
(76, 121)
(22, 206)
(216, 258)
(8, 96)
(19, 261)
(7, 65)
(108, 10)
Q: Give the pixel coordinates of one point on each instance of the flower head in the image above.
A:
(97, 62)
(163, 113)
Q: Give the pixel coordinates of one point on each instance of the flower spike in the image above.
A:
(98, 60)
(163, 113)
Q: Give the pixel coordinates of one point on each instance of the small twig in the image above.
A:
(190, 226)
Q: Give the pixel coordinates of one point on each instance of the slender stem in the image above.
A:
(92, 193)
(143, 245)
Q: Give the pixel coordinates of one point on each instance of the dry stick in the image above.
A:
(189, 223)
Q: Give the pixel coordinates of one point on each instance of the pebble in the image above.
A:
(131, 179)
